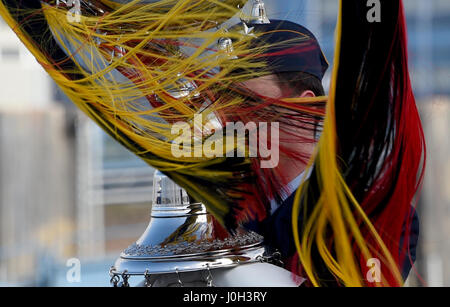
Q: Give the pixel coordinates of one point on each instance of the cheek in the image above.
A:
(298, 140)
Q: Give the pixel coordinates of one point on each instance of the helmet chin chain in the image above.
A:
(183, 243)
(121, 279)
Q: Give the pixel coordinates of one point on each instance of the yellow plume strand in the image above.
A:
(337, 209)
(138, 52)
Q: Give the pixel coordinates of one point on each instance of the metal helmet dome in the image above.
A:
(183, 237)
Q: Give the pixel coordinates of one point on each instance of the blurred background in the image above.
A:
(67, 190)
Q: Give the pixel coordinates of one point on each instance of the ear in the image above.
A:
(308, 93)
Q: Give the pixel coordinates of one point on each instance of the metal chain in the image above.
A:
(180, 283)
(147, 283)
(125, 277)
(115, 280)
(274, 259)
(209, 277)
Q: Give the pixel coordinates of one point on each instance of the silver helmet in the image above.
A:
(183, 237)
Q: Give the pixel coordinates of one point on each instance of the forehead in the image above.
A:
(267, 86)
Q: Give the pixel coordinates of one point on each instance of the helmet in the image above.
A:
(183, 237)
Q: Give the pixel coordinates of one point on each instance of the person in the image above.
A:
(296, 68)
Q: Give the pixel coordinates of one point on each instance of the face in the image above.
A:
(268, 86)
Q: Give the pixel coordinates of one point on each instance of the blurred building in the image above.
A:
(64, 184)
(434, 207)
(24, 84)
(32, 127)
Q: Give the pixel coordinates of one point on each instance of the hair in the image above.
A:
(300, 82)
